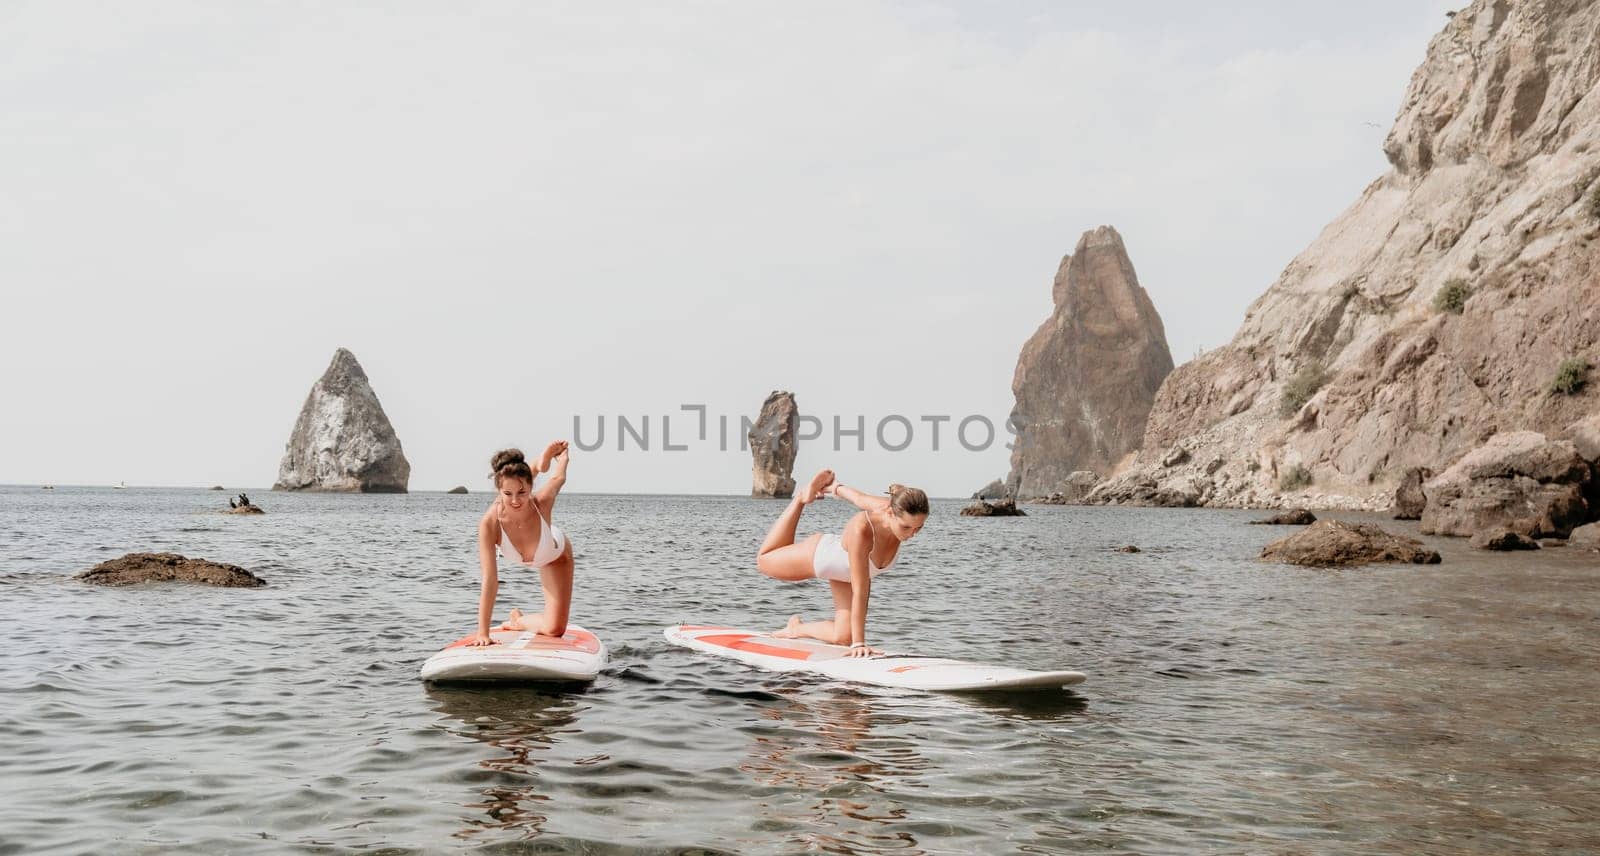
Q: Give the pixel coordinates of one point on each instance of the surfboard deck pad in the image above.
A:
(908, 671)
(520, 656)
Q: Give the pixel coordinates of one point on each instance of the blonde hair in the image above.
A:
(907, 500)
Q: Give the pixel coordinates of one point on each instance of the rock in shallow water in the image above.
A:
(1503, 539)
(773, 446)
(1409, 500)
(1518, 480)
(1334, 542)
(1002, 508)
(1585, 537)
(342, 441)
(135, 568)
(1297, 517)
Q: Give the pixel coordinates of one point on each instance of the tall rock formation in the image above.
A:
(1086, 378)
(773, 447)
(342, 441)
(1435, 311)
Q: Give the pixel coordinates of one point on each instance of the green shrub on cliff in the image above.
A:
(1294, 478)
(1571, 377)
(1594, 203)
(1452, 297)
(1299, 389)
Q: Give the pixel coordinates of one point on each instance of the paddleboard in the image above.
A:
(935, 674)
(521, 656)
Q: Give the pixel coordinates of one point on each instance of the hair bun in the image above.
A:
(505, 457)
(895, 489)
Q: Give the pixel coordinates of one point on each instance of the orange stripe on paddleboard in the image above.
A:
(741, 642)
(574, 640)
(898, 669)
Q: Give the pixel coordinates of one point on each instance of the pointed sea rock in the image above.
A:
(773, 447)
(342, 441)
(1086, 379)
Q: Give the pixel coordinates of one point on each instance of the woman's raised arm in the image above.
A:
(863, 501)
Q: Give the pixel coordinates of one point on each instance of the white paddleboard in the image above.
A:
(936, 674)
(520, 656)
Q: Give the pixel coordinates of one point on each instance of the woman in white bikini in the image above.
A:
(868, 546)
(518, 526)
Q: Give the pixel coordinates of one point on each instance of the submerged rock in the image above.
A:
(343, 441)
(1334, 542)
(1296, 517)
(1000, 508)
(773, 447)
(1129, 549)
(135, 568)
(1518, 481)
(1085, 379)
(1503, 539)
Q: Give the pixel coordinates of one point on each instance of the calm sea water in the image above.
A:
(1232, 706)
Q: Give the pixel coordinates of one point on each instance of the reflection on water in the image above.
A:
(521, 725)
(831, 771)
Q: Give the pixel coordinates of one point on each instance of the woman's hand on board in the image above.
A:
(863, 651)
(481, 640)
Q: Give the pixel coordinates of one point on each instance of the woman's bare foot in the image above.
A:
(514, 622)
(819, 483)
(790, 631)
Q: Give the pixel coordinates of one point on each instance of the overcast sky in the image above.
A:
(518, 213)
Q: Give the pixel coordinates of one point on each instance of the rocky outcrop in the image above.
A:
(135, 568)
(1409, 499)
(342, 441)
(246, 509)
(1503, 539)
(1298, 517)
(1348, 365)
(773, 447)
(1518, 481)
(1000, 508)
(1334, 542)
(458, 489)
(1073, 492)
(1085, 379)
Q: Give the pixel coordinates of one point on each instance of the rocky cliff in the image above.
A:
(773, 447)
(1432, 314)
(1086, 378)
(342, 440)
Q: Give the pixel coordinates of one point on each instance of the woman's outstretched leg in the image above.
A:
(780, 557)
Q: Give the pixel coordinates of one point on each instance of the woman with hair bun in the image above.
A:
(518, 527)
(867, 547)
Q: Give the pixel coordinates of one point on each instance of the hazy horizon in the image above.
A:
(514, 215)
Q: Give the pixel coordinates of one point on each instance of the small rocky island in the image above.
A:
(343, 441)
(136, 568)
(773, 447)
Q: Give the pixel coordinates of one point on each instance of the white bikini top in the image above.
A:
(551, 542)
(872, 542)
